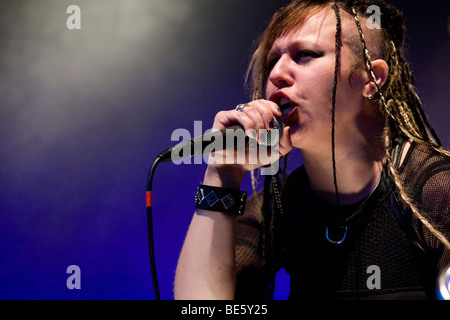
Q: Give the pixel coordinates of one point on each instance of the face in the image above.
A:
(301, 77)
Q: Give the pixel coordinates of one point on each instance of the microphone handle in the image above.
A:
(235, 133)
(197, 145)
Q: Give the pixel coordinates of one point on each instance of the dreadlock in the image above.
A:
(333, 102)
(403, 109)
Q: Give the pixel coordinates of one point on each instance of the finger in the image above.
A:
(258, 122)
(225, 119)
(267, 110)
(285, 142)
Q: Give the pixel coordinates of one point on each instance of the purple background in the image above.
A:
(83, 114)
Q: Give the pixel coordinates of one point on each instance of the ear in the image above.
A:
(381, 71)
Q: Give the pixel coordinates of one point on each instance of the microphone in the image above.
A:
(233, 137)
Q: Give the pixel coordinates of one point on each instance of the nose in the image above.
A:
(281, 74)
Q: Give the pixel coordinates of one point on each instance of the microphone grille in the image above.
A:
(274, 135)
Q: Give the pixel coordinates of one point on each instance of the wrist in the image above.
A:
(224, 177)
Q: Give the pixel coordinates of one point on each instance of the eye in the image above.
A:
(305, 55)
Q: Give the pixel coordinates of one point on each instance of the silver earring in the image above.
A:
(370, 97)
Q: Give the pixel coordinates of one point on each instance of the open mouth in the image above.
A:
(285, 105)
(286, 108)
(289, 110)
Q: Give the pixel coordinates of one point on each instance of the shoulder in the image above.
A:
(430, 170)
(424, 157)
(426, 169)
(426, 175)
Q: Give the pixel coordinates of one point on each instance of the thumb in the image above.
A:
(285, 141)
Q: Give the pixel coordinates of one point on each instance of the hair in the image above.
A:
(397, 100)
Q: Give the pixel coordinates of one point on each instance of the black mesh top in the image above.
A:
(376, 243)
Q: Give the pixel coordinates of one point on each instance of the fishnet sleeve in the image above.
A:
(435, 204)
(248, 258)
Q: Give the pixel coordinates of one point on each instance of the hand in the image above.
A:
(256, 117)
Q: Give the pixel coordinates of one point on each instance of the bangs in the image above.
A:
(286, 20)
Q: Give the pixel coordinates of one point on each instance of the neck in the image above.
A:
(358, 170)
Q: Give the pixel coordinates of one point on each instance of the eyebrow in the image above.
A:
(300, 43)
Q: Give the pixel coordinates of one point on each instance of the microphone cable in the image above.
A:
(151, 245)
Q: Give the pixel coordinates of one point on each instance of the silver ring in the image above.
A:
(240, 107)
